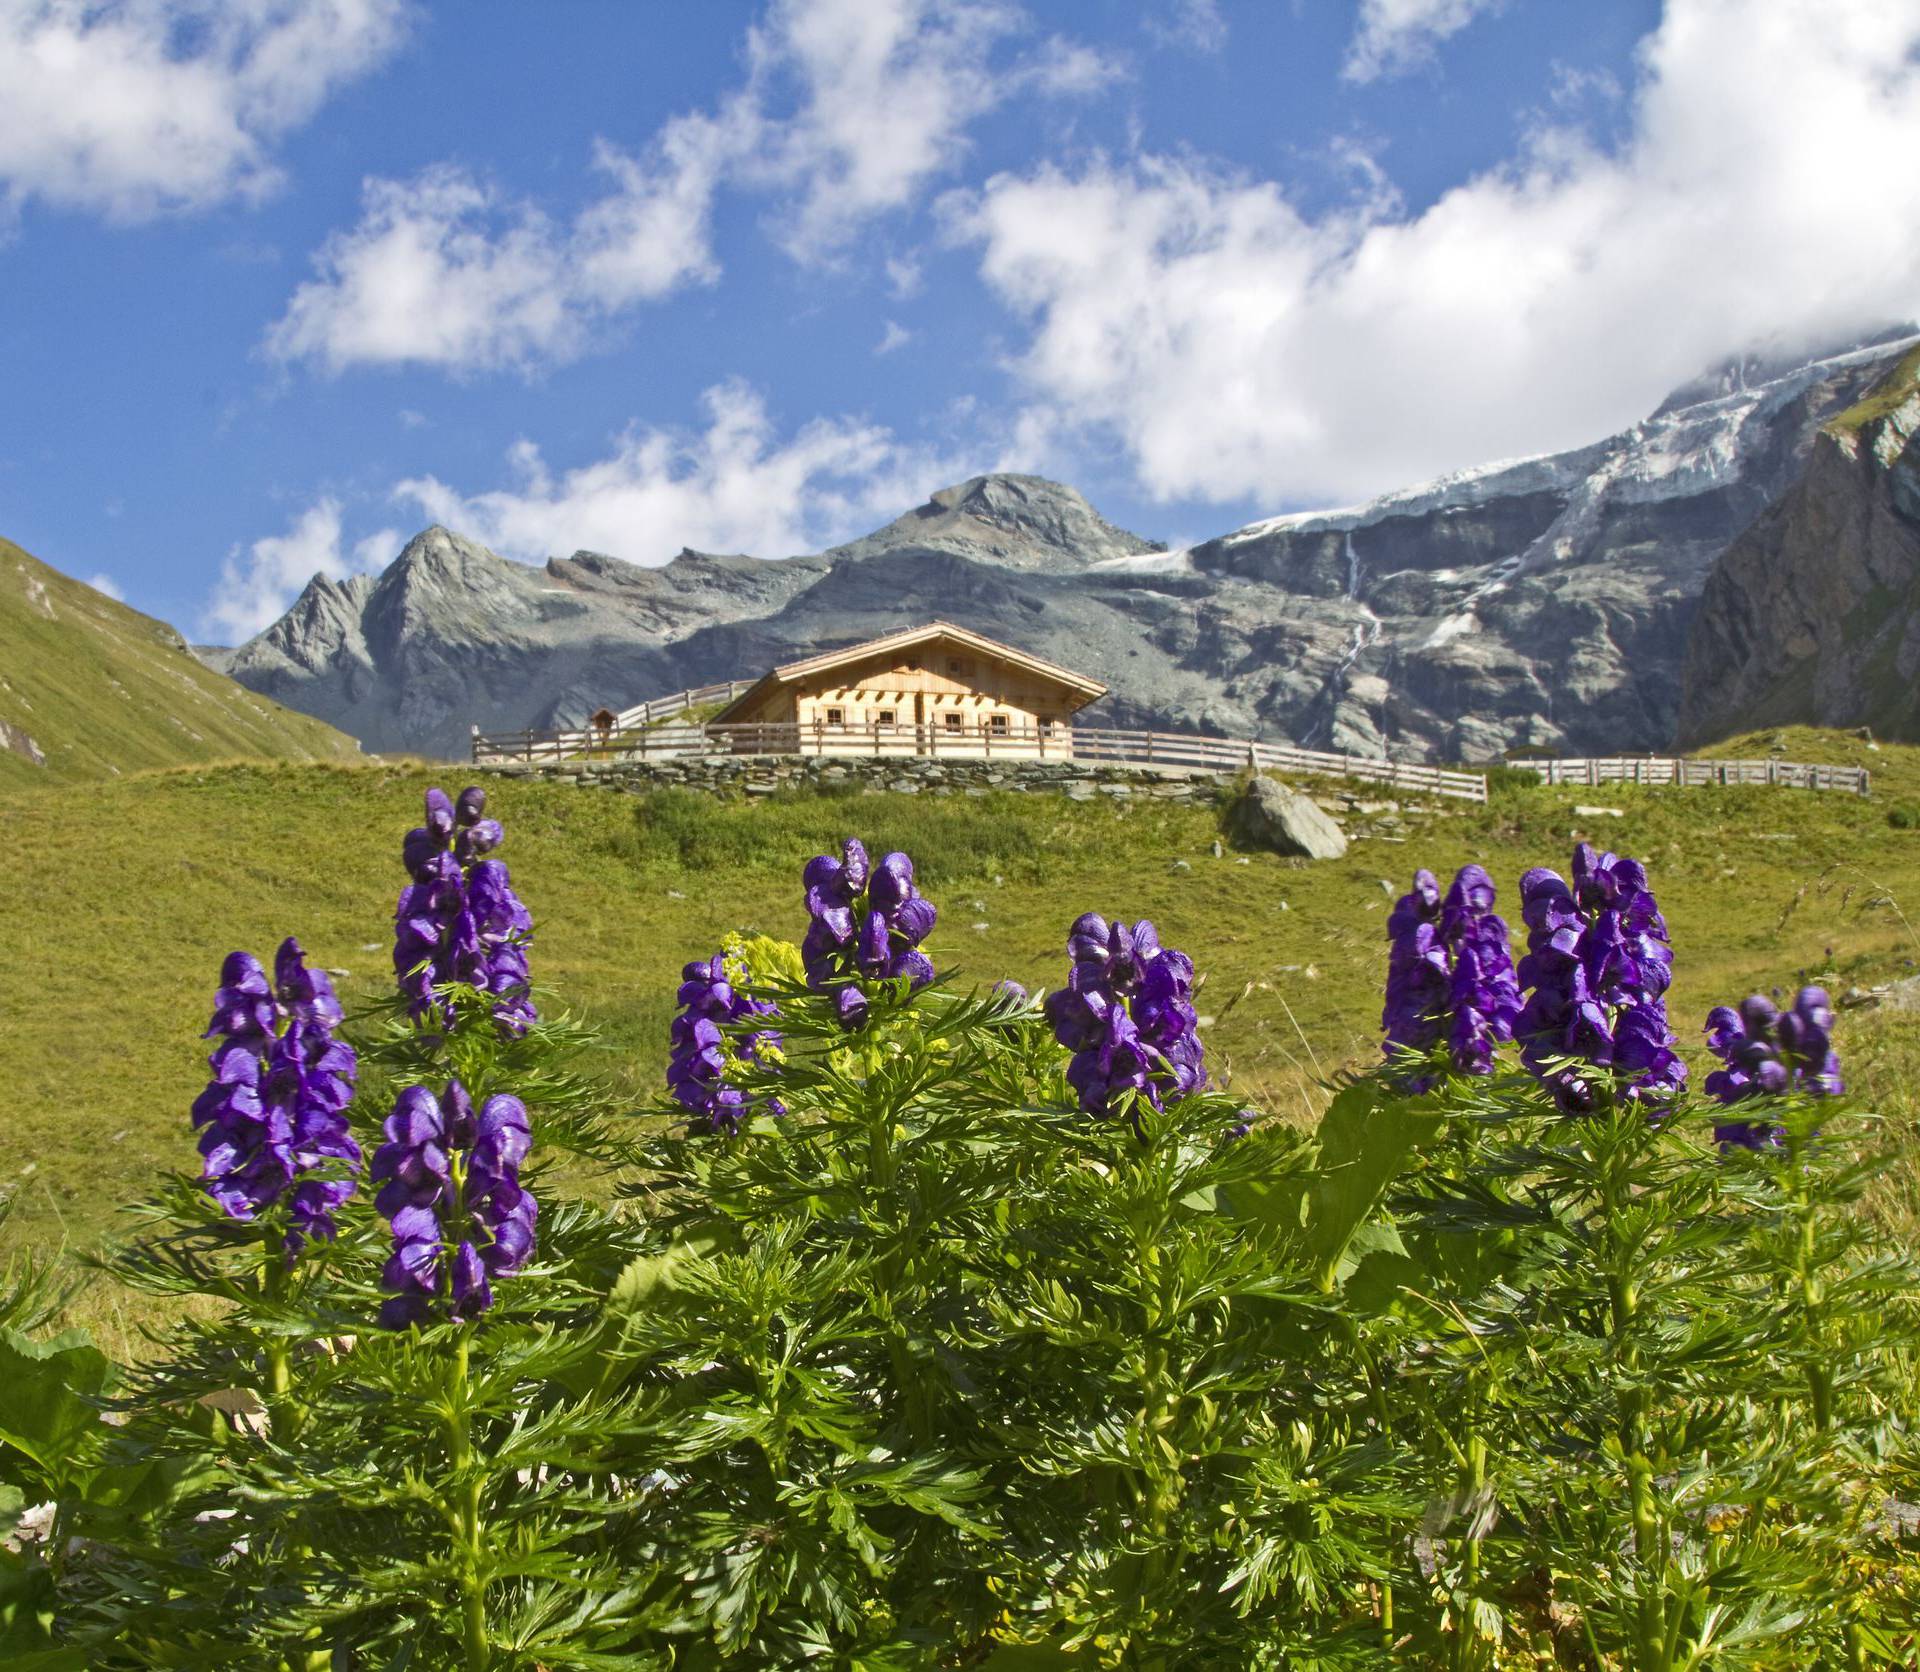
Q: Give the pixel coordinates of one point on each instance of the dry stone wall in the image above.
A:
(904, 775)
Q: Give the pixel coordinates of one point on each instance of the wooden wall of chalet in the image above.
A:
(964, 696)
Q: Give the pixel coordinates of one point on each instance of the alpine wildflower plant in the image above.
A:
(868, 921)
(1126, 1014)
(273, 1123)
(712, 1000)
(450, 1190)
(1598, 965)
(1768, 1051)
(1450, 974)
(459, 920)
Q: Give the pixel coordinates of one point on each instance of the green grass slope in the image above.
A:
(102, 689)
(126, 894)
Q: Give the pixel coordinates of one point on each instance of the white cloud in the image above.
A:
(441, 271)
(895, 336)
(1763, 191)
(849, 109)
(734, 486)
(105, 584)
(1196, 24)
(133, 108)
(256, 587)
(904, 277)
(1393, 36)
(882, 94)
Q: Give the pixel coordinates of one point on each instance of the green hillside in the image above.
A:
(98, 689)
(126, 894)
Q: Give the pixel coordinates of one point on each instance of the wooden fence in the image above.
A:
(1681, 770)
(1093, 745)
(678, 702)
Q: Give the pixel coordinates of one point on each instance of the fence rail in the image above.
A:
(678, 702)
(1682, 770)
(659, 738)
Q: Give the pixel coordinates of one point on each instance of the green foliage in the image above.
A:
(692, 831)
(1504, 780)
(939, 1370)
(1904, 815)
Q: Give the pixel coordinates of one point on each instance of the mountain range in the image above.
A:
(1541, 603)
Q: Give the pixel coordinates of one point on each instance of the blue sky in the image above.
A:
(283, 280)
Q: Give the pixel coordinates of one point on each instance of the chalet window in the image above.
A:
(953, 719)
(836, 716)
(997, 724)
(959, 665)
(1050, 724)
(883, 716)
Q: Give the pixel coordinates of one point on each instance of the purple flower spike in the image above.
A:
(1450, 975)
(1768, 1051)
(460, 920)
(272, 1121)
(1127, 1015)
(868, 921)
(1598, 966)
(698, 1065)
(450, 1189)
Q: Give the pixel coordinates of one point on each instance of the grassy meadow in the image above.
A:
(104, 690)
(122, 897)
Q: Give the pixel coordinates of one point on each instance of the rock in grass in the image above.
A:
(1285, 821)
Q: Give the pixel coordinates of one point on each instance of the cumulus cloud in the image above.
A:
(1393, 36)
(132, 108)
(257, 585)
(443, 271)
(848, 110)
(894, 336)
(1762, 193)
(109, 587)
(736, 485)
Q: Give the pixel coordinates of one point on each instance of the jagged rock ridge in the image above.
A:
(1540, 602)
(1813, 614)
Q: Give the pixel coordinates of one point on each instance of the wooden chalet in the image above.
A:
(932, 690)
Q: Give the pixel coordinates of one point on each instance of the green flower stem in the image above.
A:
(1159, 1491)
(281, 1421)
(1812, 1292)
(1622, 1307)
(468, 1530)
(1466, 1643)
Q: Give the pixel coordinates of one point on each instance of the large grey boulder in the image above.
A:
(1287, 822)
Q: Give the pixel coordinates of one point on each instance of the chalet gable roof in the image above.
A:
(933, 632)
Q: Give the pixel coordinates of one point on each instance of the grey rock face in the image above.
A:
(1813, 614)
(1545, 601)
(1287, 822)
(23, 745)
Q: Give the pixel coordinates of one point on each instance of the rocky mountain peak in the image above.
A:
(1018, 522)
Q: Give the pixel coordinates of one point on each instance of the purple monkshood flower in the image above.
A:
(867, 920)
(459, 920)
(273, 1118)
(449, 1182)
(1599, 965)
(1450, 974)
(1126, 1014)
(1768, 1051)
(711, 1001)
